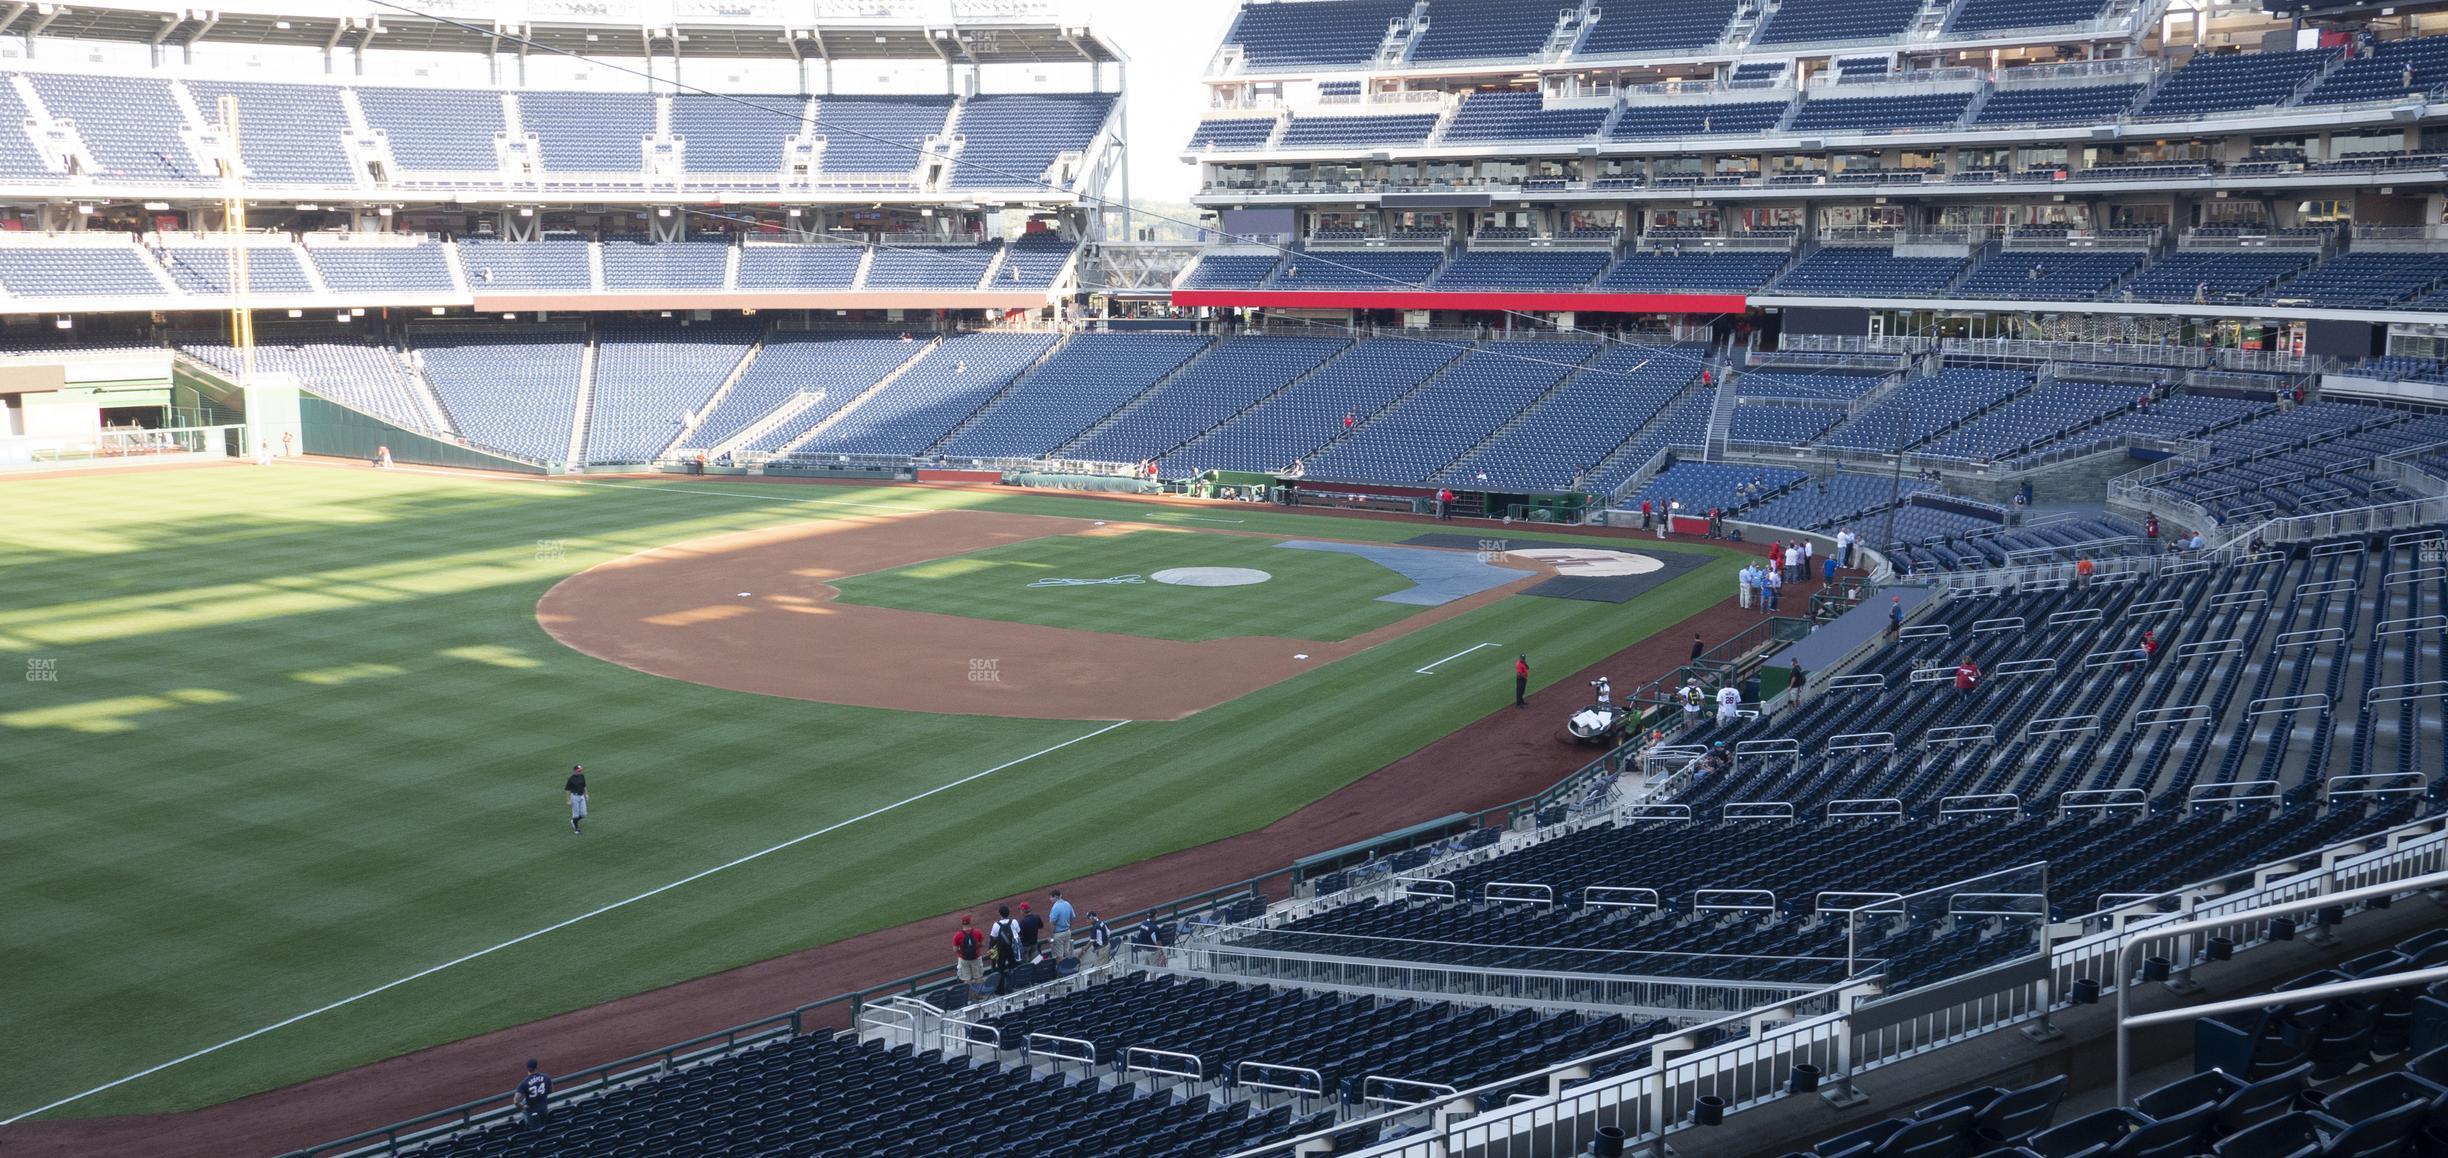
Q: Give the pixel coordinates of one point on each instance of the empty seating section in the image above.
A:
(2088, 105)
(437, 129)
(1837, 21)
(875, 140)
(29, 271)
(1697, 119)
(589, 132)
(287, 133)
(20, 160)
(1032, 261)
(830, 370)
(1343, 1037)
(1834, 500)
(1843, 272)
(369, 269)
(2384, 75)
(815, 265)
(1920, 408)
(943, 387)
(2366, 280)
(1484, 30)
(2232, 81)
(1583, 422)
(1417, 437)
(2088, 857)
(130, 124)
(1358, 132)
(1779, 425)
(729, 133)
(360, 374)
(206, 269)
(2216, 275)
(1293, 423)
(2045, 413)
(1349, 269)
(635, 264)
(512, 394)
(1728, 271)
(1331, 34)
(555, 263)
(2309, 459)
(1808, 384)
(1237, 373)
(923, 267)
(1529, 270)
(1668, 28)
(1520, 116)
(1880, 114)
(1683, 425)
(1228, 134)
(648, 380)
(1231, 270)
(1011, 141)
(1089, 377)
(2181, 416)
(1974, 17)
(1699, 486)
(2050, 275)
(820, 1094)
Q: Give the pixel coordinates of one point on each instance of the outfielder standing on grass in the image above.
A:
(575, 789)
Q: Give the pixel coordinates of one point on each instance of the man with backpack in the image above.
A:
(1003, 945)
(969, 953)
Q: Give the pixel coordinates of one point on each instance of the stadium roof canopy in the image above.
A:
(966, 31)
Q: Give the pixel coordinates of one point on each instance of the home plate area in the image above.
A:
(1583, 570)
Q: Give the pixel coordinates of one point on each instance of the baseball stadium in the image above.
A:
(749, 577)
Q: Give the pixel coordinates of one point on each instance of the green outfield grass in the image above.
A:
(1314, 595)
(293, 734)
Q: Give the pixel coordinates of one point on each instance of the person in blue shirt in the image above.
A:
(1059, 916)
(1827, 570)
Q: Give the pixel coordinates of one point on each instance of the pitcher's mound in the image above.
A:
(1211, 576)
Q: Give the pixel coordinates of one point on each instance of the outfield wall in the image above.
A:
(326, 427)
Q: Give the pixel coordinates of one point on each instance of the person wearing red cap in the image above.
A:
(575, 789)
(1030, 925)
(969, 953)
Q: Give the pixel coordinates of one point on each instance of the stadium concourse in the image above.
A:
(2012, 434)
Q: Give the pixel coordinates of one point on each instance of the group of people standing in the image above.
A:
(1027, 939)
(1790, 563)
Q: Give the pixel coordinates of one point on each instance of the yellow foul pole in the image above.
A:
(233, 231)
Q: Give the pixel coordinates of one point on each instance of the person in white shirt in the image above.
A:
(1844, 547)
(1771, 583)
(1693, 697)
(1745, 582)
(1606, 690)
(1793, 561)
(1729, 704)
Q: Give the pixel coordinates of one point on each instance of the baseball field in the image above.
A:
(281, 749)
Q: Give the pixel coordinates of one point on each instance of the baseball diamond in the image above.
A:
(1241, 579)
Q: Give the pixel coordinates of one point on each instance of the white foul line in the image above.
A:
(523, 938)
(1419, 671)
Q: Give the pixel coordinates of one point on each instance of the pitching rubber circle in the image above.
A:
(1211, 576)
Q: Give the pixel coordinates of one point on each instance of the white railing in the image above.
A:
(1655, 1100)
